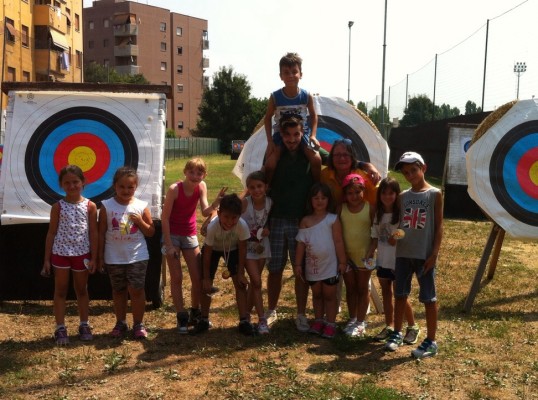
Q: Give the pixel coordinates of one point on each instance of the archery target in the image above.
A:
(503, 170)
(337, 119)
(99, 132)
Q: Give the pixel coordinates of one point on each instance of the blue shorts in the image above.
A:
(233, 261)
(277, 139)
(283, 232)
(386, 273)
(405, 268)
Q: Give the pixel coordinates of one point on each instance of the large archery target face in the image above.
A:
(99, 132)
(94, 139)
(336, 120)
(503, 168)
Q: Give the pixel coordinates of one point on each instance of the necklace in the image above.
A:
(226, 252)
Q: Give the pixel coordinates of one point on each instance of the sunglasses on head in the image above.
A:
(344, 141)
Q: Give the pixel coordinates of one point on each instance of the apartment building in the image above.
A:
(42, 41)
(166, 47)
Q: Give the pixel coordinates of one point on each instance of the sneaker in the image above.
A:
(195, 315)
(427, 348)
(85, 332)
(395, 340)
(411, 334)
(202, 326)
(246, 328)
(302, 323)
(263, 329)
(329, 331)
(119, 330)
(271, 317)
(317, 327)
(140, 331)
(183, 322)
(60, 335)
(384, 334)
(350, 326)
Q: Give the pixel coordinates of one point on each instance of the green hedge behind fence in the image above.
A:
(189, 147)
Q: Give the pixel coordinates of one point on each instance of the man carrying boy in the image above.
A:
(226, 237)
(422, 220)
(291, 100)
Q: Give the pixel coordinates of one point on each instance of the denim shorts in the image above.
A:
(123, 275)
(184, 242)
(405, 268)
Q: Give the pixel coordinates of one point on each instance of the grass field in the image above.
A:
(490, 353)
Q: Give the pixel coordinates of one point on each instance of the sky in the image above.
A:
(252, 35)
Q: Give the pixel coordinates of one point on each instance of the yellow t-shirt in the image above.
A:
(356, 230)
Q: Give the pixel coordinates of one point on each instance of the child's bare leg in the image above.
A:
(270, 163)
(399, 308)
(329, 301)
(317, 300)
(240, 297)
(315, 162)
(254, 296)
(61, 285)
(351, 294)
(193, 260)
(363, 293)
(138, 304)
(119, 298)
(80, 283)
(176, 280)
(409, 315)
(431, 319)
(388, 302)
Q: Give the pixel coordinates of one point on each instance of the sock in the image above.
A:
(58, 326)
(84, 323)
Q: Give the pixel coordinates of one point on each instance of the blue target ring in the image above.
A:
(331, 129)
(41, 150)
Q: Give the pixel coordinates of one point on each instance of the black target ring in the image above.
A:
(346, 132)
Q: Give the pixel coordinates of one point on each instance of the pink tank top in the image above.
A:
(183, 215)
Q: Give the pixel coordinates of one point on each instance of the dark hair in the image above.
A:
(257, 176)
(349, 148)
(391, 184)
(290, 121)
(231, 203)
(325, 191)
(122, 172)
(291, 59)
(71, 169)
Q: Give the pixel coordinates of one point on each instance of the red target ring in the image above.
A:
(527, 173)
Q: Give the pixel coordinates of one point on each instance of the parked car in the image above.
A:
(237, 146)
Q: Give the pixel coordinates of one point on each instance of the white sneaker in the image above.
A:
(358, 329)
(302, 323)
(271, 317)
(349, 326)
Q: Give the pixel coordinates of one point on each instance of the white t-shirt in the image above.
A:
(386, 254)
(124, 242)
(221, 240)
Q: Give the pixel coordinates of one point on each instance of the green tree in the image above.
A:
(419, 109)
(445, 111)
(98, 73)
(226, 108)
(471, 108)
(375, 116)
(258, 110)
(361, 105)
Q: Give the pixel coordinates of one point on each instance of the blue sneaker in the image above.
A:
(427, 348)
(395, 340)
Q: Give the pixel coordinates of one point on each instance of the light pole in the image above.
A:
(349, 25)
(519, 68)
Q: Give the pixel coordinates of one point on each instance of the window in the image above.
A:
(79, 59)
(90, 44)
(179, 31)
(163, 46)
(11, 74)
(180, 69)
(10, 30)
(91, 25)
(163, 26)
(68, 17)
(180, 106)
(180, 88)
(180, 125)
(105, 42)
(25, 76)
(179, 50)
(163, 66)
(56, 4)
(77, 22)
(106, 23)
(24, 36)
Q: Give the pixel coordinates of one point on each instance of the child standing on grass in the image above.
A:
(291, 100)
(124, 221)
(227, 236)
(179, 235)
(421, 218)
(256, 208)
(71, 245)
(384, 237)
(356, 216)
(320, 258)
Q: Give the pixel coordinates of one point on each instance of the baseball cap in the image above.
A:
(353, 179)
(409, 157)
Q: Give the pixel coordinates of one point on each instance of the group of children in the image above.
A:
(403, 229)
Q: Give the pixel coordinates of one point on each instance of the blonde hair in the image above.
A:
(196, 163)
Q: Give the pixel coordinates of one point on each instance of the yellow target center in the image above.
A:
(82, 156)
(533, 173)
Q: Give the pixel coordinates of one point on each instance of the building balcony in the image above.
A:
(49, 16)
(205, 62)
(125, 30)
(205, 44)
(127, 69)
(50, 63)
(127, 50)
